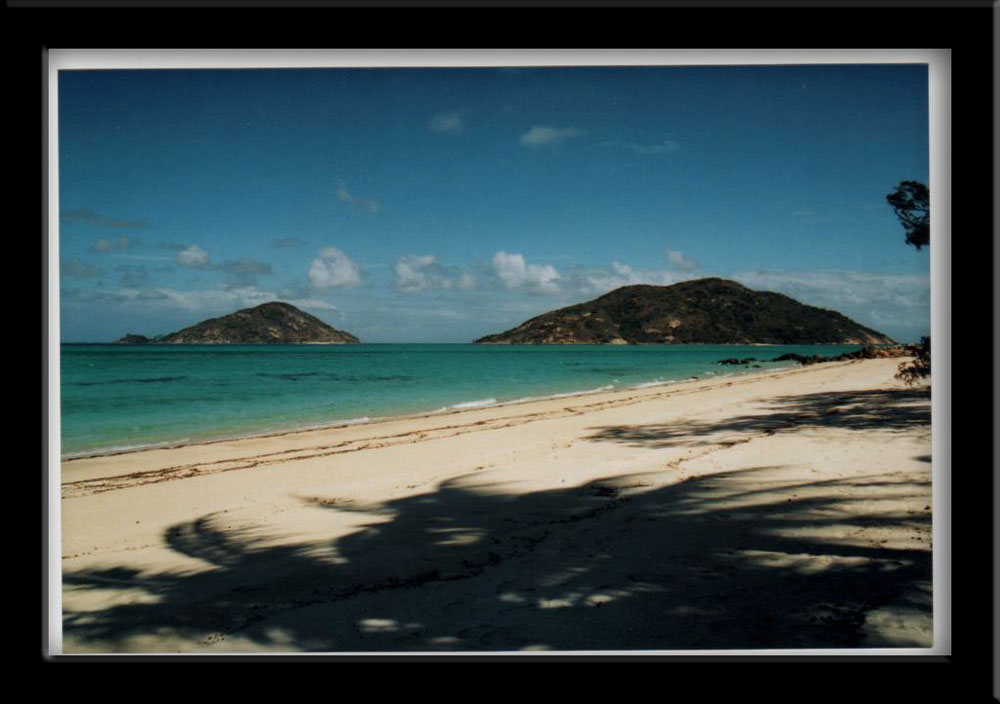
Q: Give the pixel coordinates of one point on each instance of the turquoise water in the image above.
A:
(117, 396)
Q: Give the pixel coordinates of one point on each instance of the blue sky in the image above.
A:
(439, 205)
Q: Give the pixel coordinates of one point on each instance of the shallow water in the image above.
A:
(128, 396)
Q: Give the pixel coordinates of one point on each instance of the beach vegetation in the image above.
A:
(911, 201)
(920, 367)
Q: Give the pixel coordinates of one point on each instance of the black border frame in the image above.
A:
(967, 29)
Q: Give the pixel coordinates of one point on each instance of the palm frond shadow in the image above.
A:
(732, 560)
(886, 410)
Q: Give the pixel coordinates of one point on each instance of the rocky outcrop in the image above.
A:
(704, 311)
(866, 352)
(268, 323)
(132, 339)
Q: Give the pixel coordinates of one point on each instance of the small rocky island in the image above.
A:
(268, 323)
(710, 311)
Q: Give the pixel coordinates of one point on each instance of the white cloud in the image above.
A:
(312, 303)
(594, 281)
(342, 193)
(370, 205)
(423, 312)
(214, 299)
(446, 122)
(623, 269)
(620, 275)
(80, 269)
(841, 287)
(334, 269)
(539, 136)
(206, 301)
(514, 272)
(679, 261)
(147, 257)
(240, 272)
(287, 242)
(243, 271)
(897, 304)
(422, 272)
(105, 244)
(193, 256)
(89, 217)
(411, 274)
(664, 147)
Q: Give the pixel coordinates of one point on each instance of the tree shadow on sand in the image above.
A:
(742, 559)
(883, 409)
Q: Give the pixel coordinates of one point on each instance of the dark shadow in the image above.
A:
(891, 410)
(740, 560)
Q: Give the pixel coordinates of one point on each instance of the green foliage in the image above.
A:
(920, 367)
(911, 201)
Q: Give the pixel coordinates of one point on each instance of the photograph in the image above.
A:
(509, 352)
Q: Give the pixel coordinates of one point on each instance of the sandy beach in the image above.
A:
(781, 510)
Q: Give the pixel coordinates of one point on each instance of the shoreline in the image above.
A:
(651, 389)
(454, 408)
(779, 509)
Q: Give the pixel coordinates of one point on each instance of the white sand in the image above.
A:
(783, 510)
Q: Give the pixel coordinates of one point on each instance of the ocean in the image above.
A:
(121, 397)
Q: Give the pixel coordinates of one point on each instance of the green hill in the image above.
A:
(705, 311)
(268, 323)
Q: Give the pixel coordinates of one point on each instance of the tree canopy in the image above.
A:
(911, 201)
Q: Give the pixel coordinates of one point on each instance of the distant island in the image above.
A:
(268, 323)
(705, 311)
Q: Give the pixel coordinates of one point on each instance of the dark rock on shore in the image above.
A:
(733, 360)
(866, 352)
(801, 359)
